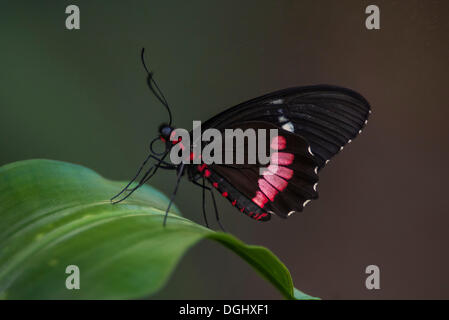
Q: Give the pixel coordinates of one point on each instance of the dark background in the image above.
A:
(81, 96)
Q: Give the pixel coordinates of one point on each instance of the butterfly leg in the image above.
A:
(204, 202)
(178, 180)
(150, 173)
(204, 187)
(133, 179)
(142, 181)
(217, 216)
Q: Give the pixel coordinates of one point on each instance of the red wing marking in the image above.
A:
(267, 189)
(278, 143)
(276, 178)
(282, 158)
(260, 199)
(262, 215)
(283, 172)
(276, 181)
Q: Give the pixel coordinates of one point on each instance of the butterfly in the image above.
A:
(313, 123)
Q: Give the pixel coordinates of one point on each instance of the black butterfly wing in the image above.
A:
(327, 117)
(286, 185)
(316, 122)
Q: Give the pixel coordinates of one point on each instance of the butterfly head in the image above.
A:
(165, 132)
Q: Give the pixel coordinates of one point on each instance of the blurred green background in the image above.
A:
(81, 96)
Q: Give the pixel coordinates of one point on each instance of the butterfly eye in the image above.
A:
(165, 132)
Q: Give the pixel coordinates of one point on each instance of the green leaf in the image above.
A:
(299, 295)
(55, 214)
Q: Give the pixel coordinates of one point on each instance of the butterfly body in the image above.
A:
(312, 124)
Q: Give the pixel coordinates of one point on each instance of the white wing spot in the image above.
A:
(310, 151)
(278, 101)
(288, 127)
(305, 203)
(282, 119)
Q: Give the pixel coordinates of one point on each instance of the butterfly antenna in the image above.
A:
(155, 88)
